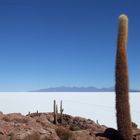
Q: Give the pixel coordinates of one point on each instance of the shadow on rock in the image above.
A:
(111, 134)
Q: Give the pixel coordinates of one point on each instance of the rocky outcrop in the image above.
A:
(39, 126)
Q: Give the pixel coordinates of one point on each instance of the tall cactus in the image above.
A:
(61, 112)
(122, 84)
(55, 111)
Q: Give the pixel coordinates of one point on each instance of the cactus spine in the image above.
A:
(122, 85)
(55, 110)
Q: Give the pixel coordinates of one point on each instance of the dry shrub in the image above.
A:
(15, 119)
(134, 125)
(20, 120)
(6, 118)
(63, 133)
(35, 136)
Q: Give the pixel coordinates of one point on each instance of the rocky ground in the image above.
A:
(40, 126)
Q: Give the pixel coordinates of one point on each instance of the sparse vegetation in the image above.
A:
(63, 133)
(15, 119)
(134, 125)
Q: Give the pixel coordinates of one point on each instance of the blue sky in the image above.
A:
(49, 43)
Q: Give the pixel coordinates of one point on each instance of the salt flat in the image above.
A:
(93, 105)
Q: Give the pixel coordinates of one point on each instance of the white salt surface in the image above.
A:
(92, 105)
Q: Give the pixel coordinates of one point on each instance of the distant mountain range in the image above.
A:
(79, 89)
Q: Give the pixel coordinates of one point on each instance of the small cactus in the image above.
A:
(37, 113)
(29, 113)
(122, 86)
(97, 122)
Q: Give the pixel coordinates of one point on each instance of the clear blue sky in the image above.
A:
(49, 43)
